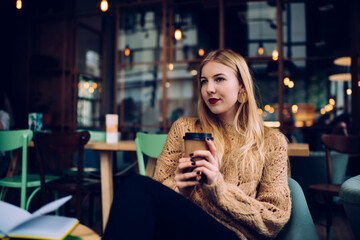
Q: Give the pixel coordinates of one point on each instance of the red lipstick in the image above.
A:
(213, 100)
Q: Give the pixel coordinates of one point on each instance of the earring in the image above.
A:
(242, 97)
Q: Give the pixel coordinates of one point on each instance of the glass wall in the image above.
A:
(159, 52)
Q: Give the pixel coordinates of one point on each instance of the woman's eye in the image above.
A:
(202, 82)
(219, 79)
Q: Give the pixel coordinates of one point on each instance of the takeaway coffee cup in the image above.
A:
(195, 141)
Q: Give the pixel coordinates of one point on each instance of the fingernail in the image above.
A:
(193, 163)
(208, 139)
(198, 173)
(191, 154)
(193, 160)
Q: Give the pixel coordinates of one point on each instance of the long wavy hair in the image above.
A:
(247, 122)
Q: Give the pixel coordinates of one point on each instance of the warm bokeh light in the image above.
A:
(91, 90)
(275, 55)
(267, 107)
(332, 101)
(261, 50)
(348, 91)
(286, 81)
(291, 84)
(329, 107)
(201, 52)
(294, 108)
(18, 4)
(272, 110)
(272, 124)
(104, 5)
(322, 111)
(127, 52)
(193, 72)
(86, 85)
(178, 34)
(358, 83)
(171, 66)
(79, 85)
(167, 84)
(299, 124)
(260, 111)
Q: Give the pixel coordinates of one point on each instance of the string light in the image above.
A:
(291, 84)
(348, 91)
(18, 4)
(261, 49)
(104, 5)
(127, 51)
(201, 52)
(294, 108)
(171, 66)
(286, 81)
(267, 108)
(275, 55)
(178, 34)
(332, 101)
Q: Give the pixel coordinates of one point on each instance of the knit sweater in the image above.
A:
(254, 204)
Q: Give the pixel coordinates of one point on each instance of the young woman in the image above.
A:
(246, 194)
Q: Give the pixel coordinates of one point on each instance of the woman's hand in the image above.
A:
(186, 180)
(208, 165)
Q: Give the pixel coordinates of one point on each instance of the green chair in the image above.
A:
(151, 145)
(13, 140)
(350, 197)
(301, 225)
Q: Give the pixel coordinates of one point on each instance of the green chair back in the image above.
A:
(10, 141)
(149, 144)
(97, 136)
(301, 225)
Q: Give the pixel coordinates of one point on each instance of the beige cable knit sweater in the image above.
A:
(253, 205)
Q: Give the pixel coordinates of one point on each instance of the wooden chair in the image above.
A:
(349, 145)
(151, 145)
(13, 140)
(59, 152)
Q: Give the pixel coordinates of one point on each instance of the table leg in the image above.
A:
(106, 184)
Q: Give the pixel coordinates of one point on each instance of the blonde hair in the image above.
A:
(247, 122)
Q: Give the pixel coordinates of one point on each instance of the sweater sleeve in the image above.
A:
(270, 210)
(168, 159)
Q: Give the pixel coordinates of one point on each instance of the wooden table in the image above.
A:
(84, 233)
(298, 150)
(106, 150)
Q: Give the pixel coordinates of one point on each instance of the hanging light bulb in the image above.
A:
(291, 84)
(18, 4)
(261, 49)
(178, 34)
(104, 5)
(348, 91)
(201, 52)
(127, 51)
(286, 81)
(275, 55)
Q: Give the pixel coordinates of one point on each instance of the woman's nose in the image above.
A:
(210, 87)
